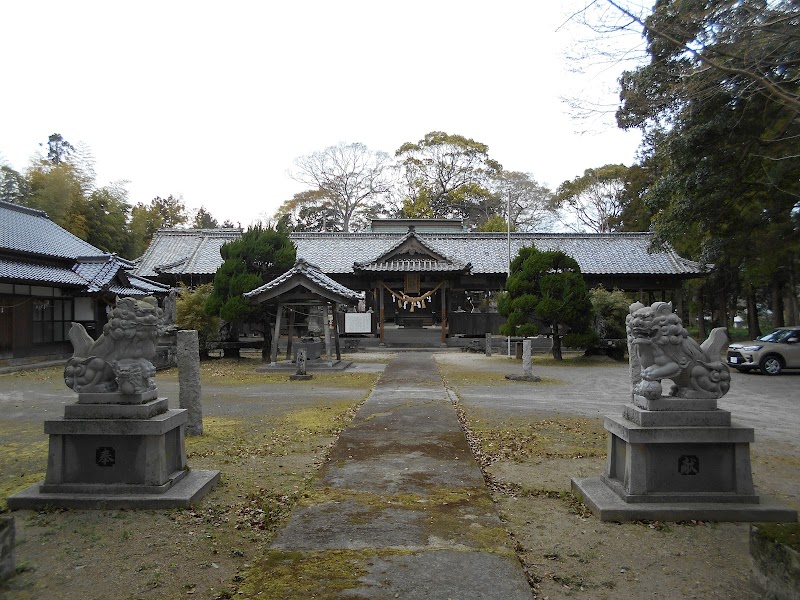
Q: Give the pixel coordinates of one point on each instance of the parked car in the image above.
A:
(771, 353)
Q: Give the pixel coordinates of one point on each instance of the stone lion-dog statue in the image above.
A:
(660, 348)
(119, 360)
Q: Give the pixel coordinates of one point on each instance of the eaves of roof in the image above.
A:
(413, 266)
(36, 273)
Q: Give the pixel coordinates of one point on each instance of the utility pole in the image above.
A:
(508, 219)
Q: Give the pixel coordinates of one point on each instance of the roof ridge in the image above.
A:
(24, 209)
(201, 231)
(473, 234)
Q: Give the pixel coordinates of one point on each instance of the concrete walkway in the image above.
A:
(400, 510)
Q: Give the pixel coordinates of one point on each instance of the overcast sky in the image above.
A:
(214, 101)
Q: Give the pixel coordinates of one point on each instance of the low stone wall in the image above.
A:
(776, 566)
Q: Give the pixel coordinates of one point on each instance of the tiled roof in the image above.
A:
(185, 251)
(145, 286)
(422, 259)
(109, 272)
(25, 271)
(37, 250)
(137, 286)
(30, 231)
(597, 254)
(302, 269)
(97, 271)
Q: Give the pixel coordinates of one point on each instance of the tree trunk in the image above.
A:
(777, 304)
(753, 327)
(701, 316)
(265, 349)
(722, 307)
(556, 343)
(231, 336)
(792, 309)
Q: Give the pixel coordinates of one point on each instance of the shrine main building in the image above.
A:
(433, 271)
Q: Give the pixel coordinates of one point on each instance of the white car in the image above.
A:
(771, 353)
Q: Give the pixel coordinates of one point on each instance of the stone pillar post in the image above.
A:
(444, 316)
(526, 359)
(382, 316)
(328, 350)
(488, 344)
(276, 336)
(189, 380)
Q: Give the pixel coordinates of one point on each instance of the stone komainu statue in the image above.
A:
(119, 360)
(660, 348)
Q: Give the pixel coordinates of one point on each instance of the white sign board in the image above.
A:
(358, 322)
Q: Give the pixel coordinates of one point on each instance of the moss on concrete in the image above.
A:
(451, 513)
(303, 575)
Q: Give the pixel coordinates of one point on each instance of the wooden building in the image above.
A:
(50, 278)
(419, 271)
(423, 272)
(188, 256)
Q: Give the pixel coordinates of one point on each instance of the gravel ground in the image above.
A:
(557, 434)
(571, 554)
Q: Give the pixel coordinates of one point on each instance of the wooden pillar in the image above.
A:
(444, 315)
(325, 314)
(273, 356)
(701, 315)
(678, 307)
(381, 314)
(291, 333)
(336, 332)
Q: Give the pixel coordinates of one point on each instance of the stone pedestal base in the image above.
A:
(608, 506)
(183, 494)
(117, 455)
(677, 460)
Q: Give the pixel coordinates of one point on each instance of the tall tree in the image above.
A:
(146, 219)
(59, 150)
(14, 187)
(546, 289)
(204, 220)
(593, 201)
(717, 103)
(171, 211)
(447, 176)
(260, 255)
(351, 177)
(107, 213)
(55, 189)
(312, 210)
(752, 45)
(528, 200)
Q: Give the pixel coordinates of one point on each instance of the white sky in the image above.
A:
(214, 101)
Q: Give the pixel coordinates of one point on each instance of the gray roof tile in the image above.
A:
(597, 254)
(185, 251)
(39, 273)
(312, 272)
(38, 250)
(32, 232)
